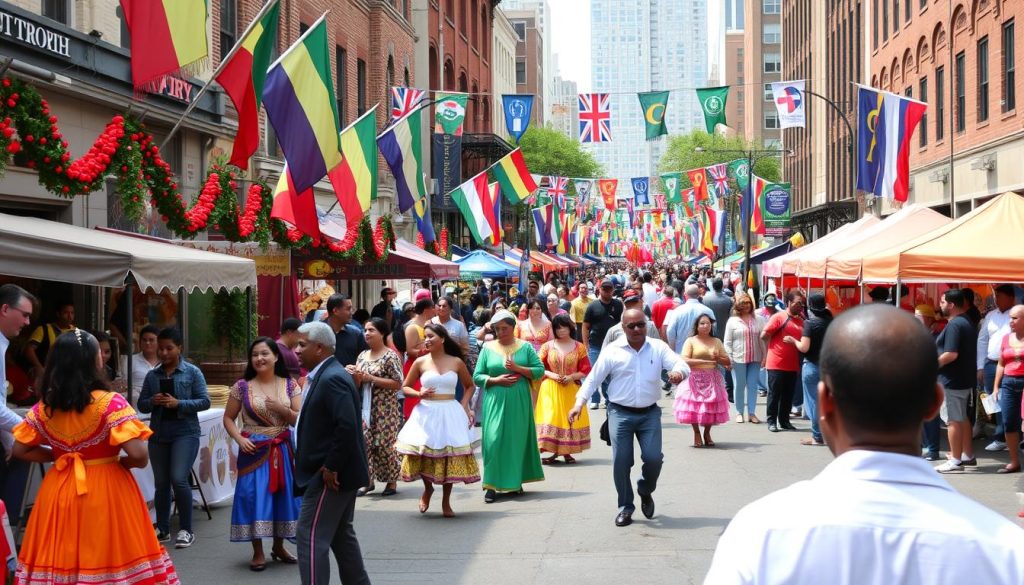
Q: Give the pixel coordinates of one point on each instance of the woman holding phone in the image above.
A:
(174, 391)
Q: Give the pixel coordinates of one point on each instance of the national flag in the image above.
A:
(355, 178)
(468, 197)
(295, 208)
(708, 240)
(689, 205)
(518, 109)
(673, 187)
(789, 103)
(492, 211)
(630, 211)
(712, 102)
(404, 99)
(757, 213)
(558, 188)
(699, 182)
(242, 79)
(653, 104)
(720, 177)
(168, 37)
(883, 150)
(421, 213)
(641, 189)
(583, 190)
(595, 117)
(299, 98)
(557, 226)
(542, 225)
(607, 188)
(402, 147)
(513, 176)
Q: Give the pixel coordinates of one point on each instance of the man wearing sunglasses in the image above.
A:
(632, 365)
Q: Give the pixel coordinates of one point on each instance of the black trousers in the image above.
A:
(780, 395)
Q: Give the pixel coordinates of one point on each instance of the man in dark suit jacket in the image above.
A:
(330, 463)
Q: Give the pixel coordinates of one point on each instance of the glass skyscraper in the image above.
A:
(646, 45)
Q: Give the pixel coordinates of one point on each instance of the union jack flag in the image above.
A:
(558, 188)
(595, 117)
(719, 173)
(403, 100)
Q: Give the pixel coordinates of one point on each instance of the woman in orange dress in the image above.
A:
(535, 329)
(89, 523)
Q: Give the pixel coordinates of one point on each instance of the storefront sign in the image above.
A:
(178, 89)
(339, 270)
(776, 210)
(28, 33)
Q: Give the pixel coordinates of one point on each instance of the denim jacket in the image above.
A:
(189, 389)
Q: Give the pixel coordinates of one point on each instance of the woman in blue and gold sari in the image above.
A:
(268, 401)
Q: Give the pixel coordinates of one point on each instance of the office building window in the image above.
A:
(59, 10)
(228, 26)
(772, 63)
(896, 16)
(961, 91)
(341, 95)
(907, 10)
(520, 71)
(922, 128)
(885, 20)
(983, 79)
(1009, 69)
(771, 120)
(770, 7)
(771, 33)
(768, 96)
(940, 103)
(360, 87)
(520, 28)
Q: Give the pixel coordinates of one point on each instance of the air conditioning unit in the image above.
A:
(985, 163)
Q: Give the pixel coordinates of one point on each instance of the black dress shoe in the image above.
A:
(773, 428)
(788, 427)
(624, 519)
(647, 505)
(490, 496)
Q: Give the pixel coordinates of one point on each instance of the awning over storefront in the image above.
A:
(48, 250)
(405, 261)
(982, 246)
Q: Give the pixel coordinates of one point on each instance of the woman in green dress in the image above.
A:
(504, 369)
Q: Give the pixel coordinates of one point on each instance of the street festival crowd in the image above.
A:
(350, 403)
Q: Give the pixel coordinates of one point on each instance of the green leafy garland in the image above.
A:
(29, 133)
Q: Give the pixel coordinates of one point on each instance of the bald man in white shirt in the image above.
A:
(878, 513)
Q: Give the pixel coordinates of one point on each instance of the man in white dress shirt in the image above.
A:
(994, 327)
(633, 365)
(16, 306)
(878, 513)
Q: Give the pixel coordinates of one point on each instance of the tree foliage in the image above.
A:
(682, 155)
(549, 152)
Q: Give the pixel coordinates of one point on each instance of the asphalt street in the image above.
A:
(562, 530)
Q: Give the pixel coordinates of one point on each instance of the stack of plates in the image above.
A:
(218, 396)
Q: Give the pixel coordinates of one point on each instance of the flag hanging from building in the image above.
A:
(295, 208)
(641, 188)
(558, 188)
(699, 182)
(355, 178)
(518, 109)
(789, 103)
(673, 187)
(516, 182)
(712, 102)
(401, 146)
(403, 100)
(168, 37)
(469, 197)
(885, 125)
(595, 117)
(299, 98)
(653, 104)
(242, 79)
(450, 113)
(607, 187)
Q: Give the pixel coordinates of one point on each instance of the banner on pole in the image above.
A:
(777, 210)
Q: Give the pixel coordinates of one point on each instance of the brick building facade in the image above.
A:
(975, 114)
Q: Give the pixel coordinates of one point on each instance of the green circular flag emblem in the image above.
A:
(714, 105)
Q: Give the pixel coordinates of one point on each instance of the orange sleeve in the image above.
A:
(582, 360)
(26, 433)
(128, 430)
(543, 355)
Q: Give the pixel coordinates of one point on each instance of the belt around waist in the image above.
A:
(439, 397)
(634, 409)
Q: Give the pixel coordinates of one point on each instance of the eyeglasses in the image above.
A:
(637, 325)
(25, 314)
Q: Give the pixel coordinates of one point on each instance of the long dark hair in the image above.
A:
(450, 346)
(280, 370)
(71, 373)
(382, 327)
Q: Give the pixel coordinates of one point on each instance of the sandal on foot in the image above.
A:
(569, 459)
(1008, 469)
(285, 558)
(550, 460)
(753, 419)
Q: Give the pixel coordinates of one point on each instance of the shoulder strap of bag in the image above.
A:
(783, 326)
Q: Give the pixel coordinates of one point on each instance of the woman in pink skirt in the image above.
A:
(701, 399)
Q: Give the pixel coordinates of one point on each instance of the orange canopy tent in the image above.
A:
(982, 246)
(789, 263)
(906, 224)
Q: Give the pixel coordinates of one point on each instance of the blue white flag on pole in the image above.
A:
(641, 188)
(518, 109)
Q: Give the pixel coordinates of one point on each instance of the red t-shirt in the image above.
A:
(781, 355)
(661, 308)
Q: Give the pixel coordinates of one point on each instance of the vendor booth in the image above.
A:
(484, 265)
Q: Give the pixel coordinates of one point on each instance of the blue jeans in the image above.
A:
(798, 392)
(172, 463)
(810, 377)
(762, 380)
(1010, 390)
(744, 379)
(930, 436)
(622, 427)
(592, 353)
(990, 380)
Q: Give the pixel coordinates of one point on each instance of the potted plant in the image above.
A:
(228, 323)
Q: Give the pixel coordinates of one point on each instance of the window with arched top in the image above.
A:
(432, 75)
(908, 63)
(463, 82)
(473, 109)
(923, 53)
(449, 74)
(389, 79)
(405, 77)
